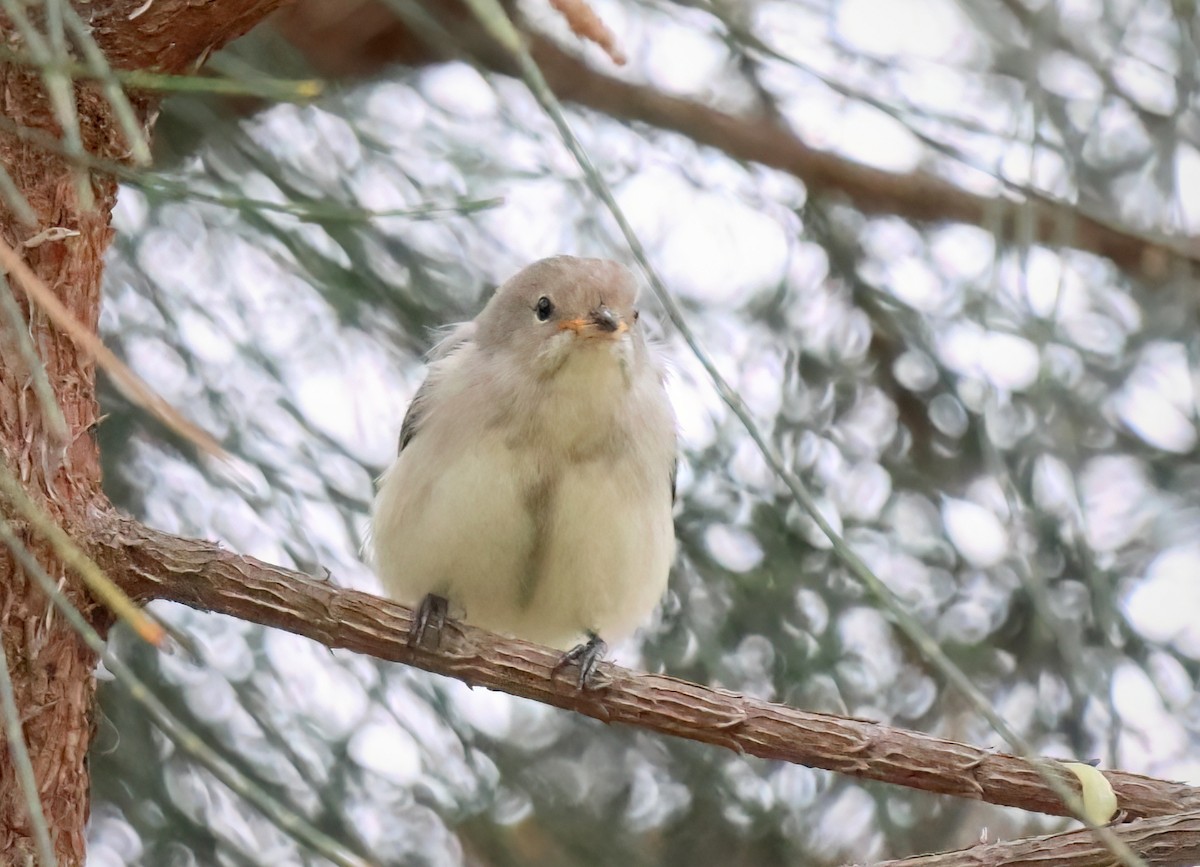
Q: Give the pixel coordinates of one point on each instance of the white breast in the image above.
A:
(535, 526)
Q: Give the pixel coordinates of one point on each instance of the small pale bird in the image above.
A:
(535, 480)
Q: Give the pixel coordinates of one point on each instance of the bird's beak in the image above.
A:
(602, 322)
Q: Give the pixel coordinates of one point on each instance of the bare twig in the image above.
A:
(916, 195)
(272, 89)
(1165, 841)
(586, 24)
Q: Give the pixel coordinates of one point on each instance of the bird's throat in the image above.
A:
(581, 405)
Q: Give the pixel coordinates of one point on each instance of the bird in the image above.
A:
(534, 485)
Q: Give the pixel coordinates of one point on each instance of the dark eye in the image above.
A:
(636, 314)
(544, 308)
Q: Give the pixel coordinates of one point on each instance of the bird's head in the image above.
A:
(560, 308)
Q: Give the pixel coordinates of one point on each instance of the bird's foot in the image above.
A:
(428, 623)
(587, 656)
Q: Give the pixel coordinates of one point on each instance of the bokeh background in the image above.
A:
(1002, 426)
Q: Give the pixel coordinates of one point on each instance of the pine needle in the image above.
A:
(127, 382)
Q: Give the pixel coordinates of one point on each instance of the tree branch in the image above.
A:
(372, 39)
(1164, 841)
(918, 195)
(149, 564)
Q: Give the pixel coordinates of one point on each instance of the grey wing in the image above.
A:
(414, 416)
(418, 409)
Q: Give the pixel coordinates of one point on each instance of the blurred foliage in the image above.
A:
(1004, 432)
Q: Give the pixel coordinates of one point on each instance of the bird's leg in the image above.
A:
(431, 617)
(587, 656)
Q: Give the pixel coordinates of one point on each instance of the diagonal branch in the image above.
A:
(1165, 841)
(372, 40)
(150, 564)
(916, 195)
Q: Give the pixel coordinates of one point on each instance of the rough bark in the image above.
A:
(154, 565)
(52, 670)
(1167, 841)
(50, 667)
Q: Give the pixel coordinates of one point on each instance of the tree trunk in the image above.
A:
(50, 666)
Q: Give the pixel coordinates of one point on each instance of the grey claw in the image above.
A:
(587, 656)
(430, 619)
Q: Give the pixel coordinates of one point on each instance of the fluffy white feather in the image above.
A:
(534, 488)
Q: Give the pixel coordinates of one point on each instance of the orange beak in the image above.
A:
(601, 323)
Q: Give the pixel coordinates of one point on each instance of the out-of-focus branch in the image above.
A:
(1164, 841)
(915, 195)
(154, 565)
(338, 46)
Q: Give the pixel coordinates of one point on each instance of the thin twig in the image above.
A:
(588, 26)
(314, 212)
(919, 195)
(322, 212)
(275, 89)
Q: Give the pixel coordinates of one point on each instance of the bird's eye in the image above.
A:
(544, 308)
(636, 314)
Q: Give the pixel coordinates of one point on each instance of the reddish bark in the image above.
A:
(52, 670)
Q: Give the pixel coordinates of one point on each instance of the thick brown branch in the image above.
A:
(154, 565)
(1165, 841)
(915, 195)
(363, 44)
